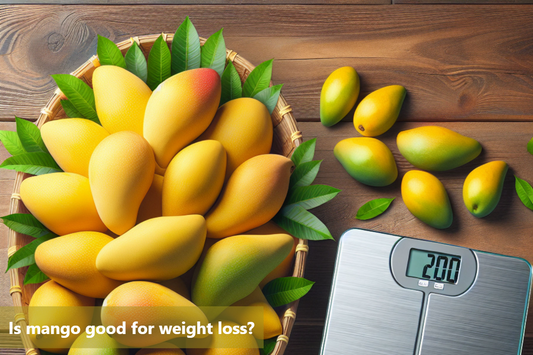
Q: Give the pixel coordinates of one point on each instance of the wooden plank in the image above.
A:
(458, 62)
(480, 2)
(192, 2)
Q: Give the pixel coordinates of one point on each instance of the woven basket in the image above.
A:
(286, 139)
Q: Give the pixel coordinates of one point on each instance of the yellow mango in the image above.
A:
(166, 307)
(427, 199)
(151, 206)
(252, 196)
(378, 111)
(62, 202)
(194, 178)
(244, 344)
(121, 171)
(160, 350)
(98, 344)
(244, 128)
(483, 188)
(179, 110)
(70, 260)
(338, 96)
(121, 99)
(157, 249)
(52, 294)
(71, 141)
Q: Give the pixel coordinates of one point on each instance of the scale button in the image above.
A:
(423, 283)
(439, 286)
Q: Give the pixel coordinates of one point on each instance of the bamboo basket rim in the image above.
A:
(282, 116)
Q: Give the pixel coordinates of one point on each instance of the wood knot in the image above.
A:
(55, 42)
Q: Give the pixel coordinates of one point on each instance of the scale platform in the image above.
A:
(393, 295)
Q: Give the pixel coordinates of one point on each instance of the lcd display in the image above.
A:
(433, 266)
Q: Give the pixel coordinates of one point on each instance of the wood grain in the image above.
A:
(193, 2)
(492, 2)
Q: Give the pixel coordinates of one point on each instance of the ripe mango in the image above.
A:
(152, 204)
(244, 344)
(436, 148)
(121, 99)
(70, 260)
(253, 195)
(338, 96)
(99, 344)
(234, 267)
(194, 178)
(71, 142)
(179, 110)
(427, 199)
(157, 249)
(367, 160)
(52, 294)
(171, 350)
(378, 111)
(244, 128)
(483, 187)
(121, 171)
(126, 302)
(62, 202)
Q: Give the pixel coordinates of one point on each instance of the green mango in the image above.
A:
(338, 96)
(436, 148)
(483, 187)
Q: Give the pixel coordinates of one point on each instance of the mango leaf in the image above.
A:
(70, 110)
(231, 84)
(30, 136)
(25, 256)
(34, 275)
(373, 208)
(37, 163)
(301, 223)
(304, 174)
(259, 79)
(25, 223)
(268, 346)
(311, 196)
(530, 146)
(12, 142)
(284, 290)
(79, 94)
(214, 53)
(524, 192)
(269, 96)
(136, 62)
(186, 52)
(108, 53)
(304, 152)
(158, 63)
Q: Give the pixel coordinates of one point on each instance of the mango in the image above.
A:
(152, 204)
(157, 249)
(159, 350)
(234, 267)
(378, 111)
(338, 96)
(99, 344)
(194, 178)
(427, 199)
(244, 128)
(436, 148)
(253, 194)
(52, 294)
(71, 141)
(367, 160)
(62, 202)
(121, 99)
(166, 307)
(121, 171)
(244, 344)
(483, 187)
(179, 110)
(70, 260)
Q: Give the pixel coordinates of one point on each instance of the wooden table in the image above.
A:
(468, 67)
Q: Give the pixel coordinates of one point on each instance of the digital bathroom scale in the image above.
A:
(402, 296)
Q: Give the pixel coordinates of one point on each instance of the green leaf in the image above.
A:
(311, 196)
(158, 63)
(30, 136)
(25, 256)
(304, 152)
(268, 346)
(301, 223)
(305, 173)
(34, 275)
(214, 52)
(259, 79)
(70, 110)
(269, 96)
(373, 208)
(37, 163)
(524, 192)
(79, 94)
(136, 62)
(25, 223)
(530, 146)
(284, 290)
(12, 142)
(108, 53)
(231, 84)
(186, 52)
